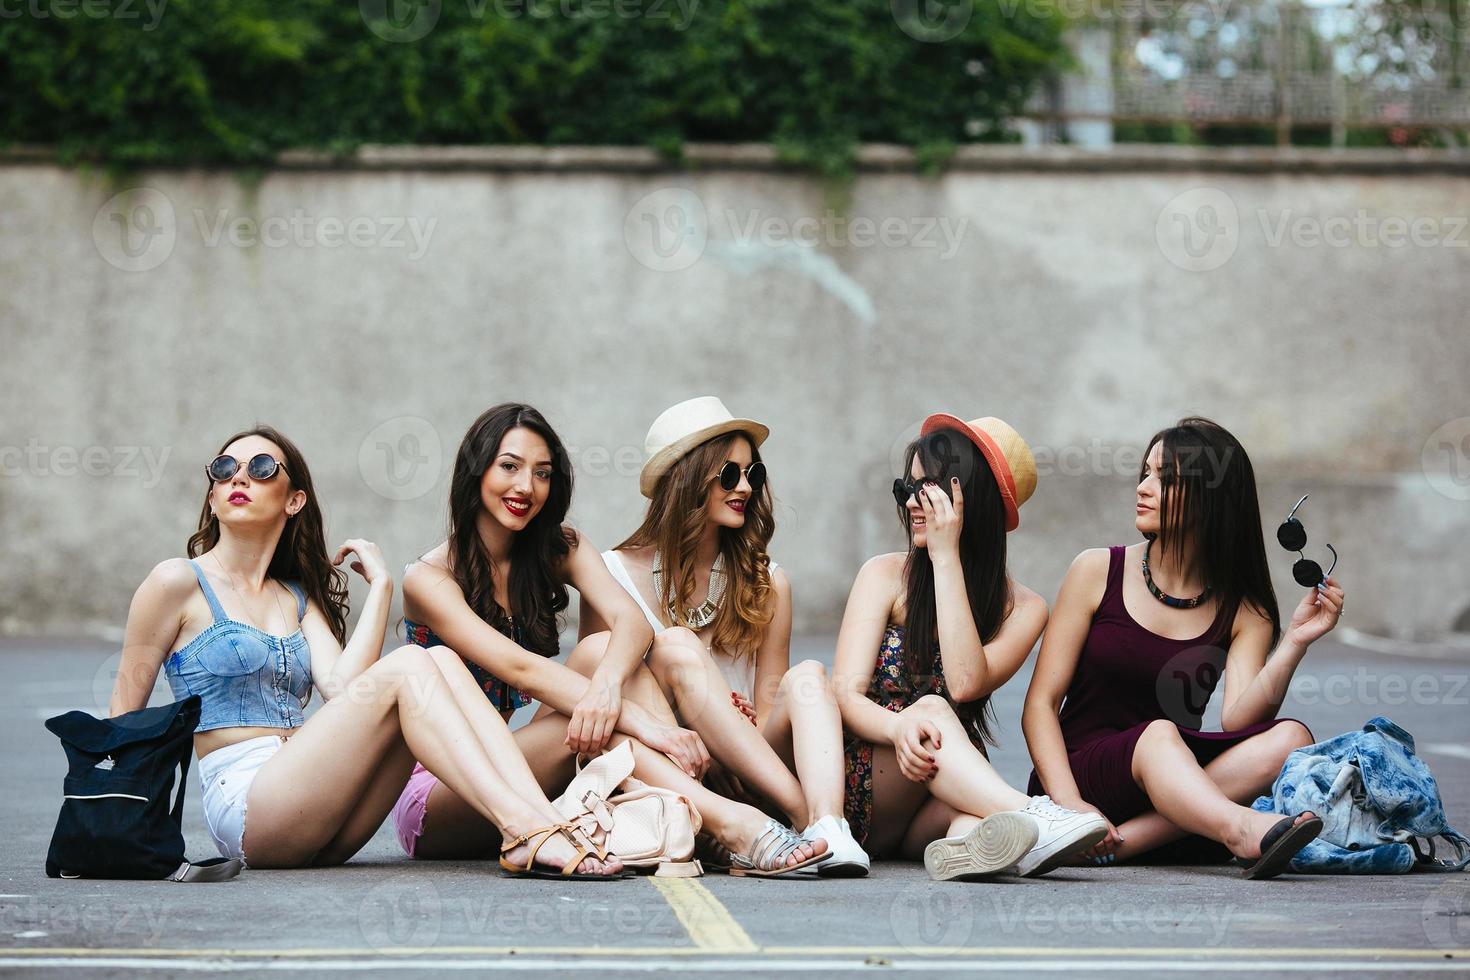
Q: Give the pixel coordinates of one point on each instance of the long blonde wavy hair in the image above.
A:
(673, 526)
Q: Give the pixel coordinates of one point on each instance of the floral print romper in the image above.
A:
(895, 689)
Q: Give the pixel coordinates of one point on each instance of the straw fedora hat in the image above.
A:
(684, 426)
(1009, 457)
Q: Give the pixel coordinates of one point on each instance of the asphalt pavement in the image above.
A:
(382, 914)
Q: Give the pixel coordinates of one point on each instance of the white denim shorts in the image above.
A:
(226, 775)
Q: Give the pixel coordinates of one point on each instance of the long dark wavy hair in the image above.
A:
(673, 525)
(945, 454)
(301, 553)
(1208, 497)
(536, 588)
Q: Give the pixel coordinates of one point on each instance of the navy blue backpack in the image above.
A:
(115, 819)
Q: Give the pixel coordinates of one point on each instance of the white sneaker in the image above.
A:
(1060, 834)
(848, 860)
(992, 846)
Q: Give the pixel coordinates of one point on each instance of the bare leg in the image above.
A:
(656, 693)
(309, 790)
(553, 759)
(934, 820)
(805, 726)
(1242, 772)
(641, 686)
(907, 815)
(454, 825)
(897, 800)
(966, 780)
(685, 669)
(453, 828)
(376, 803)
(1188, 798)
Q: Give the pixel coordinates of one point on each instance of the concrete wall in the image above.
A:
(1315, 305)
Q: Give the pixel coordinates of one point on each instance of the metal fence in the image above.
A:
(1397, 64)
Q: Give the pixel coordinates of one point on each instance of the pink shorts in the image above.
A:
(408, 812)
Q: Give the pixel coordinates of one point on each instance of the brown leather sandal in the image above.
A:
(568, 873)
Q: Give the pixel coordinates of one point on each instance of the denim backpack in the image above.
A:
(1378, 801)
(115, 817)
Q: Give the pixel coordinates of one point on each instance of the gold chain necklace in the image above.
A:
(703, 614)
(230, 581)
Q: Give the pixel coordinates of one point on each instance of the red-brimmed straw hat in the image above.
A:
(1009, 457)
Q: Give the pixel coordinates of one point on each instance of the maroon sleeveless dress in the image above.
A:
(1126, 677)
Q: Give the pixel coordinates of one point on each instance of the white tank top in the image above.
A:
(739, 674)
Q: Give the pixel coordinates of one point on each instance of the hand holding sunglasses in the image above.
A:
(903, 490)
(1293, 537)
(1320, 609)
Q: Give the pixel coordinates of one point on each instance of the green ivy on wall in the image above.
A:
(137, 82)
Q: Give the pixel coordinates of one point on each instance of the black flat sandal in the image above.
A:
(1280, 844)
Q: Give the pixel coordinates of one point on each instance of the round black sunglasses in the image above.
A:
(903, 490)
(755, 475)
(262, 466)
(1293, 537)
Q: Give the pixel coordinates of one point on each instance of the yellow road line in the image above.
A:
(710, 925)
(1143, 954)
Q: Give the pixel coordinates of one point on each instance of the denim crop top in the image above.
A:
(245, 677)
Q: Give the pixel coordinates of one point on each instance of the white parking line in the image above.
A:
(1450, 648)
(1449, 749)
(742, 963)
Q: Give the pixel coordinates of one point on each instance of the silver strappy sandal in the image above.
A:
(769, 852)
